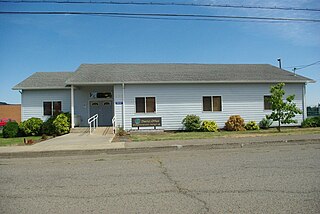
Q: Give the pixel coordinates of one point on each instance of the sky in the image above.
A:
(38, 43)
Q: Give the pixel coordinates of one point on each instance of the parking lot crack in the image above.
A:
(181, 190)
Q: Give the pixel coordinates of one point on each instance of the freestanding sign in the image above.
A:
(146, 122)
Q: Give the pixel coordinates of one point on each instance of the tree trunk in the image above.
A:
(279, 125)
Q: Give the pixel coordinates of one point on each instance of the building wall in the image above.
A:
(175, 101)
(32, 102)
(11, 111)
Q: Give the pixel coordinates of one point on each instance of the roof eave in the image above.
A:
(193, 82)
(38, 88)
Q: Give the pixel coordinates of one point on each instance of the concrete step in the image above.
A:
(80, 130)
(103, 131)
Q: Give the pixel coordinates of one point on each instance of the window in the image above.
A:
(52, 108)
(267, 103)
(145, 104)
(100, 94)
(212, 103)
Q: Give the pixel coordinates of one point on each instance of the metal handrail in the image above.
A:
(93, 121)
(114, 124)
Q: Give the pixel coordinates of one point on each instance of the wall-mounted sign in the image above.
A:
(146, 121)
(119, 103)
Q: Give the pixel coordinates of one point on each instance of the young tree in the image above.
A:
(282, 111)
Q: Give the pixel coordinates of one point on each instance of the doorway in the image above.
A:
(104, 109)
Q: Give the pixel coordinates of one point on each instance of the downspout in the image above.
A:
(72, 106)
(304, 107)
(123, 109)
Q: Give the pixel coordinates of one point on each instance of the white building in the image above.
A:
(158, 95)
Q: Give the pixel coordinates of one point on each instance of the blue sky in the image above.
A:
(32, 43)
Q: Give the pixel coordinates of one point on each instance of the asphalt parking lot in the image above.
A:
(268, 179)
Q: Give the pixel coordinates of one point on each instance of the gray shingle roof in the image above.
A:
(180, 73)
(44, 80)
(90, 74)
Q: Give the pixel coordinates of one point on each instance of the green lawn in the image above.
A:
(205, 135)
(15, 141)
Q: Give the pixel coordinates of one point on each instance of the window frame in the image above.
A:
(145, 104)
(264, 109)
(212, 102)
(52, 107)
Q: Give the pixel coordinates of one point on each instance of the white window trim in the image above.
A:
(51, 106)
(212, 104)
(145, 105)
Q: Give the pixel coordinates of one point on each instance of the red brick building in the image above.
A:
(11, 111)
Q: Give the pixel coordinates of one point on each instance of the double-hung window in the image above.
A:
(145, 104)
(267, 102)
(212, 103)
(51, 108)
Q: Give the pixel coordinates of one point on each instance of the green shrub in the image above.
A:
(311, 122)
(251, 125)
(235, 123)
(32, 126)
(48, 127)
(61, 124)
(44, 137)
(11, 129)
(191, 123)
(209, 126)
(265, 123)
(57, 125)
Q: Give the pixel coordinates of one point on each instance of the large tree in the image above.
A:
(283, 111)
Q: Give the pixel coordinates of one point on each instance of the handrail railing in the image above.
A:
(114, 124)
(93, 122)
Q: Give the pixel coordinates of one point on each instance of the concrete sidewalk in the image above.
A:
(75, 144)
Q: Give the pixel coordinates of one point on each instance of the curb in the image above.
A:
(62, 153)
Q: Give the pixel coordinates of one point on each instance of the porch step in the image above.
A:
(103, 131)
(80, 130)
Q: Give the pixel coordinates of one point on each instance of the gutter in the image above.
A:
(183, 82)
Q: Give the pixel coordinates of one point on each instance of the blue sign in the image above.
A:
(119, 103)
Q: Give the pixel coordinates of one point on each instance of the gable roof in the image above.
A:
(45, 80)
(98, 74)
(88, 74)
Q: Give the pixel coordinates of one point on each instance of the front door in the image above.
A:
(104, 110)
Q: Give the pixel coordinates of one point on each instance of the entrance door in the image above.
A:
(104, 110)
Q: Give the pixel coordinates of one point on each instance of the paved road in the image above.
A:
(279, 179)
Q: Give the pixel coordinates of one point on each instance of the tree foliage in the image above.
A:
(283, 111)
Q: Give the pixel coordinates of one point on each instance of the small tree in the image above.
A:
(282, 111)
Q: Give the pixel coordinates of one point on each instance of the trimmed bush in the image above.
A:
(61, 124)
(311, 122)
(32, 126)
(48, 127)
(265, 123)
(209, 126)
(11, 129)
(191, 122)
(251, 125)
(57, 125)
(235, 123)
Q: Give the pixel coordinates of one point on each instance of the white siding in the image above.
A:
(32, 102)
(175, 101)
